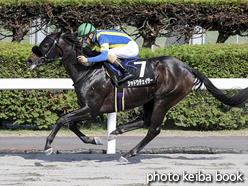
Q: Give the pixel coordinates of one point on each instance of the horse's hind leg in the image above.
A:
(85, 139)
(154, 130)
(160, 109)
(126, 128)
(147, 109)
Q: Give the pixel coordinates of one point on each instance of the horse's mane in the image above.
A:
(72, 38)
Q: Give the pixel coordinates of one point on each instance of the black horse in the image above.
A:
(95, 90)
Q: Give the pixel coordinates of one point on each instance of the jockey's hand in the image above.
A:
(82, 59)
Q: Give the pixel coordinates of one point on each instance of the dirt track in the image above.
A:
(104, 169)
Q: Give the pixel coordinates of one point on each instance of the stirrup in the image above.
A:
(126, 78)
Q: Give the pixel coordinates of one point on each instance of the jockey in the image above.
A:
(114, 45)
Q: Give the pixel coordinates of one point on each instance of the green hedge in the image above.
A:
(42, 108)
(218, 3)
(214, 60)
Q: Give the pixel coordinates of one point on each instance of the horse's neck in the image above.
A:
(78, 72)
(71, 68)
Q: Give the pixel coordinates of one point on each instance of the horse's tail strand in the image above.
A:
(238, 100)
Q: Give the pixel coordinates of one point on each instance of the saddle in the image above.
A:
(143, 76)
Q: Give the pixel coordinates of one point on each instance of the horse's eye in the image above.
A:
(46, 45)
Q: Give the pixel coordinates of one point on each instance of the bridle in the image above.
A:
(47, 57)
(51, 54)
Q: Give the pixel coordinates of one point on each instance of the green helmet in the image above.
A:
(85, 29)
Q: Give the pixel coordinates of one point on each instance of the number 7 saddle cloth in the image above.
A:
(143, 76)
(141, 68)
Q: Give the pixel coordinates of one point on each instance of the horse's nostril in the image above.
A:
(28, 61)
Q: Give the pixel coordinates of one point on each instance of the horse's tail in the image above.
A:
(238, 100)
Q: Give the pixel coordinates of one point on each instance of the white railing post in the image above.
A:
(111, 145)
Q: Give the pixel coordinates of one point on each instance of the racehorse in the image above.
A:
(95, 91)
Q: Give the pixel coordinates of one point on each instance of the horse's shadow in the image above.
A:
(139, 158)
(109, 158)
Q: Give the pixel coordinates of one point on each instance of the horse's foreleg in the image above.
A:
(85, 139)
(77, 115)
(48, 149)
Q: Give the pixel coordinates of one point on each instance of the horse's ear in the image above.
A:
(58, 33)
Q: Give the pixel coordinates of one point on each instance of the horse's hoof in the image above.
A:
(98, 141)
(112, 137)
(48, 151)
(123, 160)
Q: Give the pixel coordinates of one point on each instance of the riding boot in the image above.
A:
(126, 73)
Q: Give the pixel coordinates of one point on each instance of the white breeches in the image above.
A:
(131, 50)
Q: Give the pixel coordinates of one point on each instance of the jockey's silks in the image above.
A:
(105, 40)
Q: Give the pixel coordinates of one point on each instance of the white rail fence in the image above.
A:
(66, 83)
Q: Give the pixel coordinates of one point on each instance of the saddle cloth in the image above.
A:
(142, 70)
(143, 76)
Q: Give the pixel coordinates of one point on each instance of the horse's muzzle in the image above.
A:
(33, 64)
(28, 62)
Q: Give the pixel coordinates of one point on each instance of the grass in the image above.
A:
(100, 132)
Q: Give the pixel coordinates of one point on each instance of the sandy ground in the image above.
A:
(104, 169)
